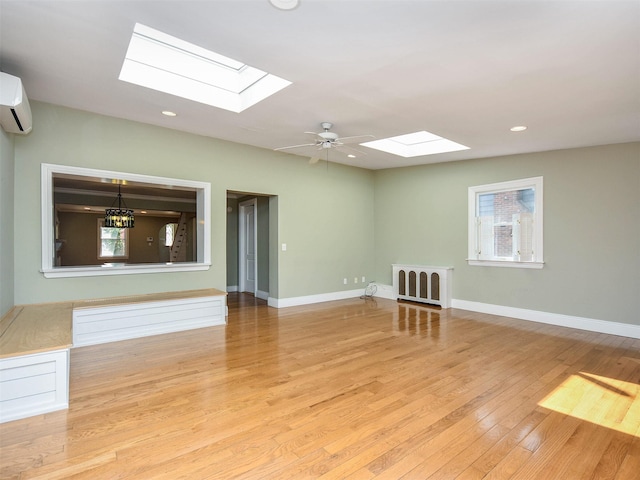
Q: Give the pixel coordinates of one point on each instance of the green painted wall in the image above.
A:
(323, 215)
(345, 222)
(6, 221)
(263, 243)
(591, 230)
(232, 242)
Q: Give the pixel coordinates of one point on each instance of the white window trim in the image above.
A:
(476, 191)
(203, 201)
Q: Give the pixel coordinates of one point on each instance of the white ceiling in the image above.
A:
(464, 70)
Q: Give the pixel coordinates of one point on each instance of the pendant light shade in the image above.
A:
(120, 217)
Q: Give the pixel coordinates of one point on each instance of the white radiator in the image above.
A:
(420, 283)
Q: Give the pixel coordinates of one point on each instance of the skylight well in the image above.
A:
(415, 145)
(161, 62)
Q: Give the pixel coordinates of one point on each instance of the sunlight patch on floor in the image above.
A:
(605, 401)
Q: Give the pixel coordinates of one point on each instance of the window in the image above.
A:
(161, 185)
(415, 144)
(113, 243)
(505, 224)
(170, 230)
(168, 64)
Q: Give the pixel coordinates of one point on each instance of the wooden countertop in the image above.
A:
(149, 297)
(29, 329)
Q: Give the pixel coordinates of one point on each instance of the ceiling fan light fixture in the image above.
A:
(330, 136)
(327, 140)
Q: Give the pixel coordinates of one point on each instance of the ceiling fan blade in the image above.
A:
(355, 139)
(296, 146)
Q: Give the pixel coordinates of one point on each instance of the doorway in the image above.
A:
(248, 246)
(252, 262)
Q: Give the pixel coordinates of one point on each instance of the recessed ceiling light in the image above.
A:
(415, 145)
(143, 211)
(87, 208)
(518, 128)
(169, 113)
(161, 62)
(285, 4)
(351, 155)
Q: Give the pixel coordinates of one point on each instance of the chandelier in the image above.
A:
(119, 217)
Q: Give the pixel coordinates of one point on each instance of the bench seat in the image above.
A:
(29, 329)
(35, 340)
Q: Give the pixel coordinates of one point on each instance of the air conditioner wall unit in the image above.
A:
(15, 112)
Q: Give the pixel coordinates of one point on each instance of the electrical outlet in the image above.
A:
(363, 279)
(345, 281)
(355, 279)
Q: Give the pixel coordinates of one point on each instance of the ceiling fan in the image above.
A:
(326, 140)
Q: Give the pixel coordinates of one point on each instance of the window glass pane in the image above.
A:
(527, 199)
(170, 234)
(485, 204)
(106, 232)
(113, 242)
(504, 236)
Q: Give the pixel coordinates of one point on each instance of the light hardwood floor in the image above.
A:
(353, 389)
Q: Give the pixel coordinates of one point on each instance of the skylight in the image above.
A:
(415, 145)
(161, 62)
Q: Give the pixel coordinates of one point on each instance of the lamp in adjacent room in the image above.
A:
(119, 217)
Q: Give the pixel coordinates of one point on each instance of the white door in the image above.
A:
(248, 236)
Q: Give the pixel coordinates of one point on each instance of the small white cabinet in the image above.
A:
(34, 384)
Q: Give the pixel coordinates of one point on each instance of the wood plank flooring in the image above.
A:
(353, 389)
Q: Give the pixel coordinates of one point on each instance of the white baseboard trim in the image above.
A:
(308, 299)
(558, 319)
(385, 291)
(259, 293)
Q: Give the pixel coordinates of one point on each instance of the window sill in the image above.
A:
(122, 269)
(505, 263)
